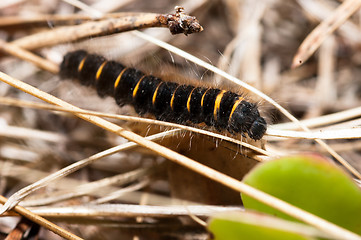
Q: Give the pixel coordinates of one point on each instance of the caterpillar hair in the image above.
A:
(167, 101)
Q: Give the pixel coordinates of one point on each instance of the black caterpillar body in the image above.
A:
(167, 101)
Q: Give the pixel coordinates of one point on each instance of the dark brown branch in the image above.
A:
(9, 23)
(177, 23)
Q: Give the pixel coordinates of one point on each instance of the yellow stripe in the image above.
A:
(137, 86)
(236, 103)
(100, 69)
(172, 99)
(189, 101)
(118, 78)
(204, 94)
(81, 64)
(217, 104)
(155, 93)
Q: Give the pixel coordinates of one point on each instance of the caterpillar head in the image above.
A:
(257, 129)
(246, 119)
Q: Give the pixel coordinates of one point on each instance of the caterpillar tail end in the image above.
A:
(69, 66)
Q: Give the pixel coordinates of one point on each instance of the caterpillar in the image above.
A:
(167, 101)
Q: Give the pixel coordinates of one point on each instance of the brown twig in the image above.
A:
(177, 23)
(23, 22)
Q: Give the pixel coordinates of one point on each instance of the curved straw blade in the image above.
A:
(324, 29)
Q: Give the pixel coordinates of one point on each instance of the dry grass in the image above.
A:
(255, 41)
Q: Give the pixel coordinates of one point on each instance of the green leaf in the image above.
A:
(311, 183)
(251, 226)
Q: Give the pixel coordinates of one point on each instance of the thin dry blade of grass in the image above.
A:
(86, 8)
(115, 195)
(91, 187)
(285, 207)
(322, 134)
(28, 133)
(28, 56)
(322, 120)
(324, 29)
(129, 210)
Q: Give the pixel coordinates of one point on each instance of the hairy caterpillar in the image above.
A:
(167, 101)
